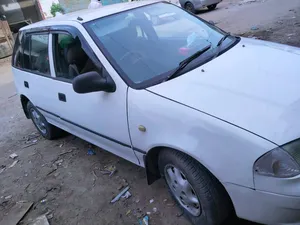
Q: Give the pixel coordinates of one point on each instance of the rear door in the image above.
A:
(32, 72)
(99, 117)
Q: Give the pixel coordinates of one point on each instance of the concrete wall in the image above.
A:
(18, 10)
(11, 10)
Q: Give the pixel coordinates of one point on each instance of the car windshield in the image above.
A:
(149, 42)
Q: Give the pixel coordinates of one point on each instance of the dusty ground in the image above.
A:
(62, 180)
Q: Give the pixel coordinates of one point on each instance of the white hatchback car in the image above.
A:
(217, 116)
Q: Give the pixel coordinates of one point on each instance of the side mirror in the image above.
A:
(92, 82)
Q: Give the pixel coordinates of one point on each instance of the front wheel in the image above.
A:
(212, 7)
(201, 196)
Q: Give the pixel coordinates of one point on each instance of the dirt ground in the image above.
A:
(66, 183)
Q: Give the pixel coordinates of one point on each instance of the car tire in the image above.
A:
(212, 7)
(46, 129)
(190, 7)
(202, 197)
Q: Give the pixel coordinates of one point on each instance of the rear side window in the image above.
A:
(39, 56)
(26, 54)
(31, 53)
(17, 59)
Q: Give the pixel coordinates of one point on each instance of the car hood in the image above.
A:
(255, 85)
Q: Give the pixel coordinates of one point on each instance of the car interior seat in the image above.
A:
(76, 58)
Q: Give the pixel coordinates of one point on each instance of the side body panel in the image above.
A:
(99, 117)
(227, 151)
(39, 91)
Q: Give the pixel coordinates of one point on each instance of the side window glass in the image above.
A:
(26, 55)
(70, 59)
(39, 57)
(18, 52)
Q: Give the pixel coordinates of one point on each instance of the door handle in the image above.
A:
(26, 84)
(62, 97)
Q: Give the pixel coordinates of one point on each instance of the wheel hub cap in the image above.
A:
(182, 190)
(38, 121)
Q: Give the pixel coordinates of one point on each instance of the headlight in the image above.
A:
(281, 162)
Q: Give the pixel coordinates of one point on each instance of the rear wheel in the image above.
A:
(200, 195)
(212, 7)
(46, 129)
(190, 7)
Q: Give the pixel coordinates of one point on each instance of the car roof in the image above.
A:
(90, 14)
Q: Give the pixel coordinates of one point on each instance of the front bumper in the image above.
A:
(264, 207)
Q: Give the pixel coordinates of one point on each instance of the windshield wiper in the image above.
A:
(185, 62)
(218, 50)
(223, 39)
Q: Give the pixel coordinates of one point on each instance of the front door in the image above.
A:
(99, 117)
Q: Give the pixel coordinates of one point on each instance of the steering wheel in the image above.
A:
(136, 56)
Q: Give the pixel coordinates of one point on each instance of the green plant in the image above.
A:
(56, 7)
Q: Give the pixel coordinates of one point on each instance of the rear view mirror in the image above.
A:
(92, 82)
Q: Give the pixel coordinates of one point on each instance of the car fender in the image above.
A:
(226, 150)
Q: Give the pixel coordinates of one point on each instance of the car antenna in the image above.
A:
(79, 18)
